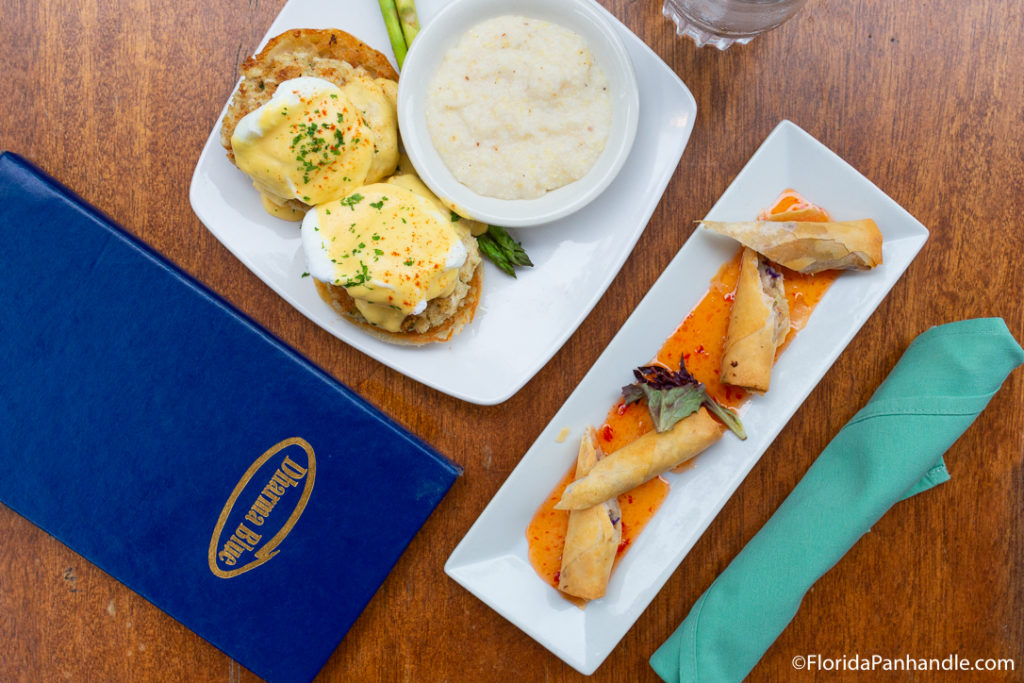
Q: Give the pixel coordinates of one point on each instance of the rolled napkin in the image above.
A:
(891, 449)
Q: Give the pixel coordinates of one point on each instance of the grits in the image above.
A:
(518, 107)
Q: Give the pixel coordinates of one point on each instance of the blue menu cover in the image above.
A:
(171, 441)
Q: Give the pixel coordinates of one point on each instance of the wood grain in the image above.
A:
(116, 99)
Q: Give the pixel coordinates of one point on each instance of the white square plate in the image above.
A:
(520, 323)
(491, 561)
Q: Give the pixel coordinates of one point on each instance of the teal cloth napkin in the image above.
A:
(890, 450)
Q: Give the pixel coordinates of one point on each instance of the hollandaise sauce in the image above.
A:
(392, 249)
(309, 142)
(699, 342)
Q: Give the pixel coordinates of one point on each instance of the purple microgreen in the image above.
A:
(674, 395)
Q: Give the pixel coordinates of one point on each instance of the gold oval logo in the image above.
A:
(263, 508)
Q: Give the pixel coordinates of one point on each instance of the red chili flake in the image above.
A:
(700, 349)
(621, 408)
(623, 545)
(730, 296)
(558, 576)
(607, 433)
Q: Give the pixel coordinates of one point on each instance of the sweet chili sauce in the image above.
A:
(699, 341)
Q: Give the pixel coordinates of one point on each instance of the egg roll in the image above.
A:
(592, 537)
(642, 460)
(809, 246)
(758, 324)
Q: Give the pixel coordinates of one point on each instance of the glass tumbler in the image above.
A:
(724, 22)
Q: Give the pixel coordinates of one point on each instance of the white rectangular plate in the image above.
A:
(491, 561)
(520, 323)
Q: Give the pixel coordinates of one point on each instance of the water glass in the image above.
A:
(724, 22)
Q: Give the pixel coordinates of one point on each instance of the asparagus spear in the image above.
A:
(498, 245)
(490, 249)
(398, 41)
(403, 24)
(407, 16)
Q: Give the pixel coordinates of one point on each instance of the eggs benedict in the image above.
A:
(389, 259)
(314, 125)
(313, 118)
(309, 143)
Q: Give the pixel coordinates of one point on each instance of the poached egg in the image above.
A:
(310, 142)
(392, 248)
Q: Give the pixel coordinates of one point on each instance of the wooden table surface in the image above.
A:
(116, 99)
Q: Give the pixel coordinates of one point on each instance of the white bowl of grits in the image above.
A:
(518, 112)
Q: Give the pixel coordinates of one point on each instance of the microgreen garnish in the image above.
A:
(671, 396)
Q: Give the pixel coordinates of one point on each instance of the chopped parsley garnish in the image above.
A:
(361, 278)
(312, 145)
(455, 217)
(380, 204)
(351, 201)
(409, 262)
(305, 275)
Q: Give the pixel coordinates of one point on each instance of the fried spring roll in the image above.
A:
(808, 246)
(758, 324)
(642, 460)
(592, 538)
